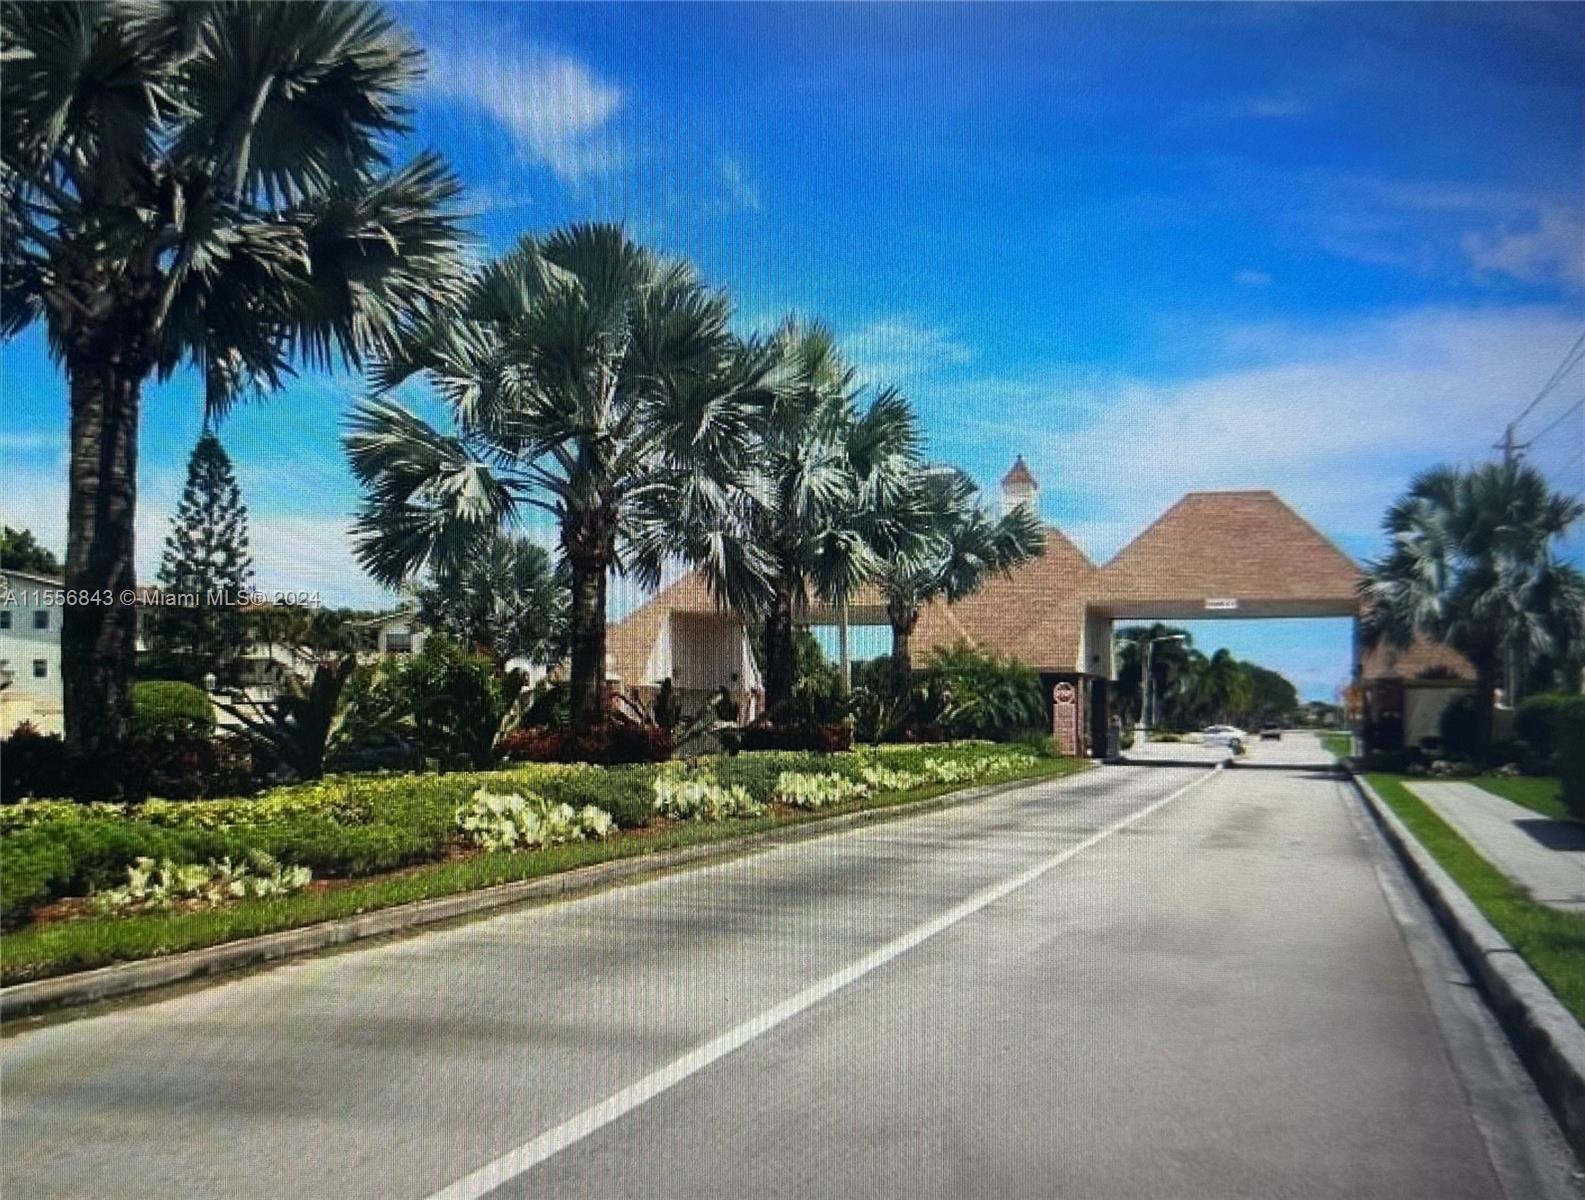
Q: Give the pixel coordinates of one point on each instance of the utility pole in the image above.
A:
(1511, 448)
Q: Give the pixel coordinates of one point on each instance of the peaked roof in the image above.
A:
(1019, 473)
(1420, 659)
(1248, 546)
(629, 642)
(1035, 615)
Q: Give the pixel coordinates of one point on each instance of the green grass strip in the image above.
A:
(56, 948)
(1550, 940)
(1539, 793)
(1339, 744)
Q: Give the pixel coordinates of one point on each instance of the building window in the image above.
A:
(41, 668)
(41, 619)
(5, 618)
(399, 641)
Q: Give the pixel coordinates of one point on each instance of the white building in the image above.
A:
(30, 652)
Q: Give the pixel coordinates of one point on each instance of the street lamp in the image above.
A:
(1149, 643)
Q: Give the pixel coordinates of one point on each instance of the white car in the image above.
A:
(1224, 735)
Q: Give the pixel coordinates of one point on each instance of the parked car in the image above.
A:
(1224, 735)
(1271, 732)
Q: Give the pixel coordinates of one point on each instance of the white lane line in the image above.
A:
(573, 1130)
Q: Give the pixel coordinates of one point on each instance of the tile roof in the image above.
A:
(1420, 659)
(1247, 545)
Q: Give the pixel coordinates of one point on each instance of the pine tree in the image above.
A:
(205, 554)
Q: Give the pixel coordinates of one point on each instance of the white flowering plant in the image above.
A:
(890, 779)
(160, 884)
(515, 820)
(811, 792)
(689, 797)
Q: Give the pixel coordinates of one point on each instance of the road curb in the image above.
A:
(123, 979)
(1548, 1040)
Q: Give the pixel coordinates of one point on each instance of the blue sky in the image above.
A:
(1152, 248)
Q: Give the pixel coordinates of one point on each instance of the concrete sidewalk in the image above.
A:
(1545, 857)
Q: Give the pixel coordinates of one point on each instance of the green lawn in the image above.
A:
(55, 948)
(1552, 942)
(1543, 793)
(1340, 744)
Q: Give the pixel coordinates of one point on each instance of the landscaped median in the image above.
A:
(85, 886)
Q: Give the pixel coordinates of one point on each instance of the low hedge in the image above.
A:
(169, 708)
(352, 825)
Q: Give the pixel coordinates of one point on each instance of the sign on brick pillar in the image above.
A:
(1065, 717)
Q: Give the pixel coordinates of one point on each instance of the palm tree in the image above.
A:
(1471, 563)
(506, 599)
(838, 492)
(204, 185)
(962, 547)
(1172, 662)
(591, 380)
(1221, 688)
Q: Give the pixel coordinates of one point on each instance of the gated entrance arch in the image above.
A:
(1213, 555)
(1229, 554)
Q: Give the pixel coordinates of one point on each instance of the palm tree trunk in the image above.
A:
(780, 652)
(1485, 703)
(99, 639)
(902, 621)
(587, 636)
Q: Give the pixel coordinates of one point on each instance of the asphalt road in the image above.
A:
(1109, 987)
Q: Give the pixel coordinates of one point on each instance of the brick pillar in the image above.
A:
(1067, 717)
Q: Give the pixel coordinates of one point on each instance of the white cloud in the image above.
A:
(1270, 108)
(1334, 420)
(557, 109)
(735, 182)
(1552, 250)
(895, 349)
(1248, 277)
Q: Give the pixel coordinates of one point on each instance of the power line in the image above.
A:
(1510, 445)
(1575, 353)
(1561, 417)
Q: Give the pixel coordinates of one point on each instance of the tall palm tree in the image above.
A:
(962, 547)
(838, 491)
(596, 382)
(1471, 562)
(204, 185)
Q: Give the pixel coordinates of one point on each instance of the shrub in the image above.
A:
(190, 767)
(159, 885)
(35, 868)
(296, 729)
(506, 821)
(812, 791)
(164, 708)
(692, 797)
(767, 735)
(987, 696)
(627, 793)
(452, 701)
(1569, 733)
(33, 764)
(614, 743)
(1535, 722)
(1460, 725)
